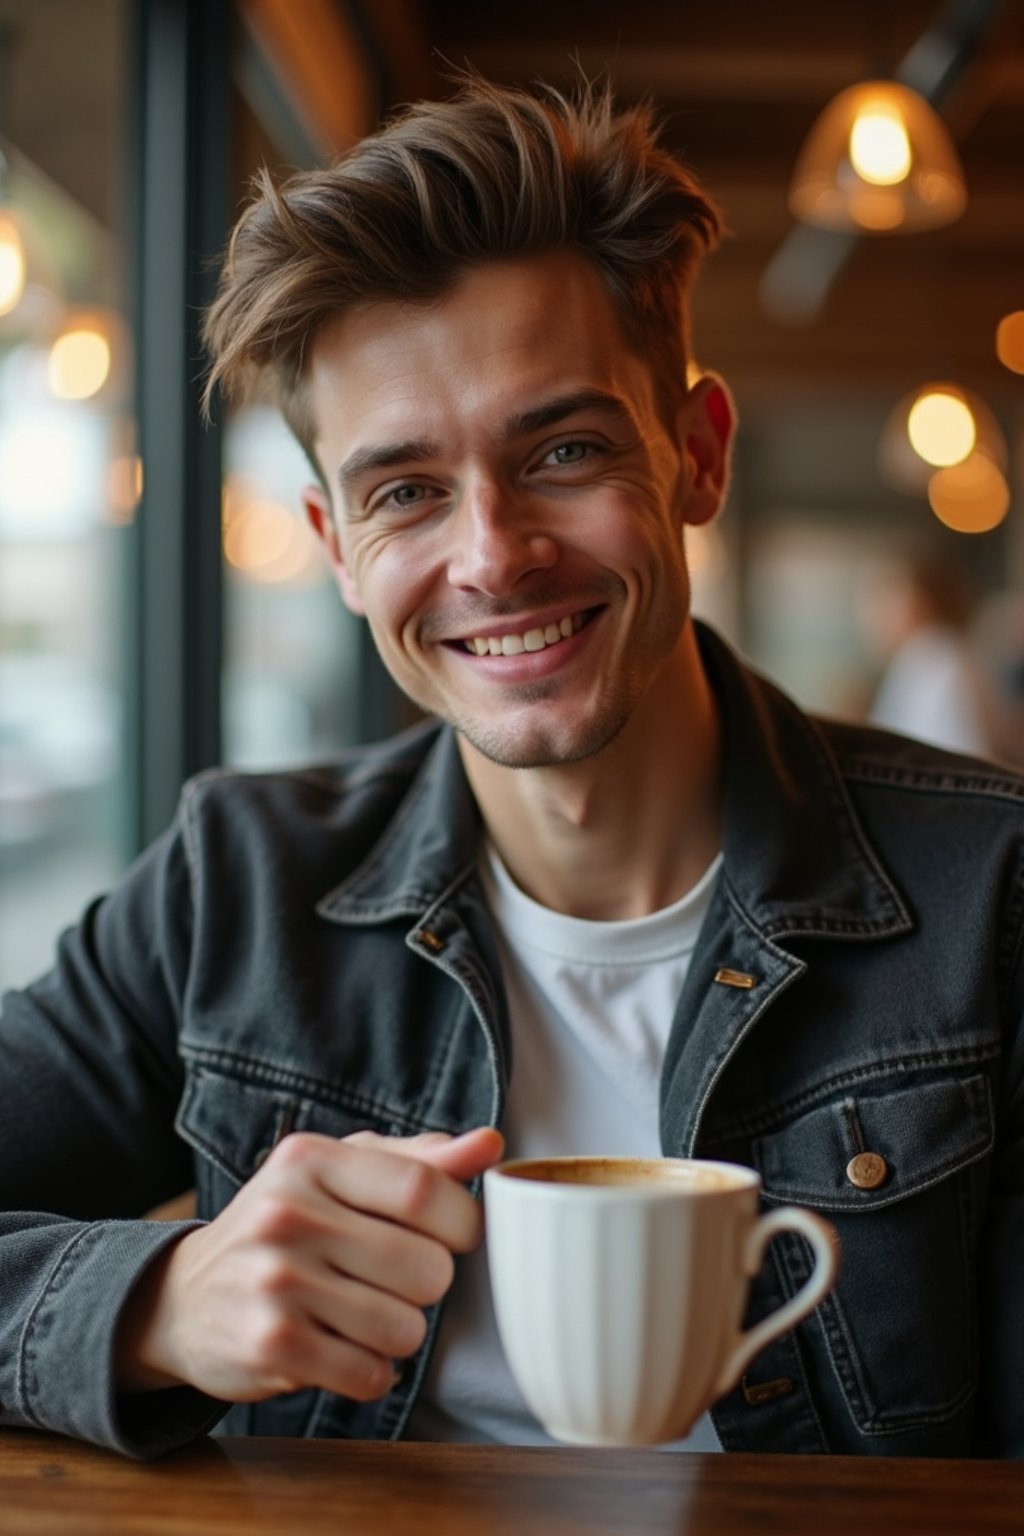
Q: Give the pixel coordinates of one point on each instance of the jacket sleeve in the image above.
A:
(1001, 1402)
(90, 1079)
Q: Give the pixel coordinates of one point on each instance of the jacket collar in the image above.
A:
(429, 846)
(797, 859)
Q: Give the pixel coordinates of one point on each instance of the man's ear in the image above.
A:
(706, 423)
(321, 520)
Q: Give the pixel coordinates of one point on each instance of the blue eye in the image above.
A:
(407, 495)
(570, 453)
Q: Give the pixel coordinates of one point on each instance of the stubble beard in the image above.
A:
(545, 746)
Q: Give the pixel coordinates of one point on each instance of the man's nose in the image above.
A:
(497, 538)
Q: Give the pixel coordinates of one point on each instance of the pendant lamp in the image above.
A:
(879, 160)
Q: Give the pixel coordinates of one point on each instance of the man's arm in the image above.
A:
(89, 1084)
(1001, 1404)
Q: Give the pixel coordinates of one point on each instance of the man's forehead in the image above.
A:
(507, 338)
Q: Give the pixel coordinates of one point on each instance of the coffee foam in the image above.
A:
(627, 1172)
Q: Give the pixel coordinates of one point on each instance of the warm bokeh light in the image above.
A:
(79, 364)
(972, 497)
(941, 427)
(266, 542)
(879, 146)
(125, 488)
(1010, 341)
(12, 265)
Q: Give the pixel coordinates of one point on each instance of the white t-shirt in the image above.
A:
(591, 1006)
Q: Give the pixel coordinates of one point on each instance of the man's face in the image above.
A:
(507, 503)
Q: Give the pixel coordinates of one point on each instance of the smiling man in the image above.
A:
(507, 507)
(616, 895)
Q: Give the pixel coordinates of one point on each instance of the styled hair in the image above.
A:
(447, 186)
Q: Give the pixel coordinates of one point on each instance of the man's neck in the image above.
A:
(624, 832)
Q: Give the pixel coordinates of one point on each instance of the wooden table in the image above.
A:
(53, 1487)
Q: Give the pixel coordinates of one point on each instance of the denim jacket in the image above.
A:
(312, 951)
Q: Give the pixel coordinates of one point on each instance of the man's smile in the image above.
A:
(536, 637)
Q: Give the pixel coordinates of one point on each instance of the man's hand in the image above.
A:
(315, 1275)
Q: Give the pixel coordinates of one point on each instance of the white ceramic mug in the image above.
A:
(620, 1285)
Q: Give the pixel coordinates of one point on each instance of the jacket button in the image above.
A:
(867, 1170)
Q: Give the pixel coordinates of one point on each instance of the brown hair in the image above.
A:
(495, 172)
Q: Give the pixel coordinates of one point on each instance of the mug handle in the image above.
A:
(824, 1240)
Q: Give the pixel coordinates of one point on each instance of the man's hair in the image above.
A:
(447, 186)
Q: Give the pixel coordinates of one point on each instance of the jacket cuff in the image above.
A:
(66, 1369)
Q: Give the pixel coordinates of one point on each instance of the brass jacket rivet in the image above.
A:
(727, 978)
(431, 940)
(867, 1170)
(757, 1392)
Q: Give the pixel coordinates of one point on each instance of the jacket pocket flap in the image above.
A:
(235, 1123)
(918, 1135)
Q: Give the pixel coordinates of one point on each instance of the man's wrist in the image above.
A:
(141, 1362)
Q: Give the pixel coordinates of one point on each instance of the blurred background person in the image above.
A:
(997, 644)
(930, 687)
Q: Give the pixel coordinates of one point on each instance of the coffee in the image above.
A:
(627, 1173)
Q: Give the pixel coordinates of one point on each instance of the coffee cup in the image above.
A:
(620, 1286)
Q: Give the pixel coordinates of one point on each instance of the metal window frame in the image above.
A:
(179, 190)
(179, 182)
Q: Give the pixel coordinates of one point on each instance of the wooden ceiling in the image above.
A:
(739, 84)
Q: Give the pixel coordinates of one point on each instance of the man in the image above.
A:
(627, 898)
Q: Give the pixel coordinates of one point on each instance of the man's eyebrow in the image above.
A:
(418, 450)
(553, 411)
(386, 456)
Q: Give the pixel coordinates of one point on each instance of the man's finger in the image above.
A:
(463, 1157)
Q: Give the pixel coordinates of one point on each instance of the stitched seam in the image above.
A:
(825, 926)
(773, 1113)
(935, 781)
(26, 1365)
(248, 1069)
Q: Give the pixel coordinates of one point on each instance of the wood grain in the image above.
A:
(53, 1487)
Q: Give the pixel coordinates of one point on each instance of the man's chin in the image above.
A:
(507, 748)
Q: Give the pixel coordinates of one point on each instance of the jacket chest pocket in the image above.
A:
(901, 1177)
(233, 1122)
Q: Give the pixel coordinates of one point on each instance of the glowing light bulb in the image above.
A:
(879, 146)
(12, 265)
(79, 364)
(1010, 341)
(941, 428)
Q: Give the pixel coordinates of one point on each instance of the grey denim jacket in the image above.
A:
(312, 951)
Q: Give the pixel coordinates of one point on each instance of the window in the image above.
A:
(68, 471)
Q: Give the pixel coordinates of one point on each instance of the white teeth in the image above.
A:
(532, 640)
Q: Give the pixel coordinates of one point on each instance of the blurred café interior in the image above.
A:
(162, 604)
